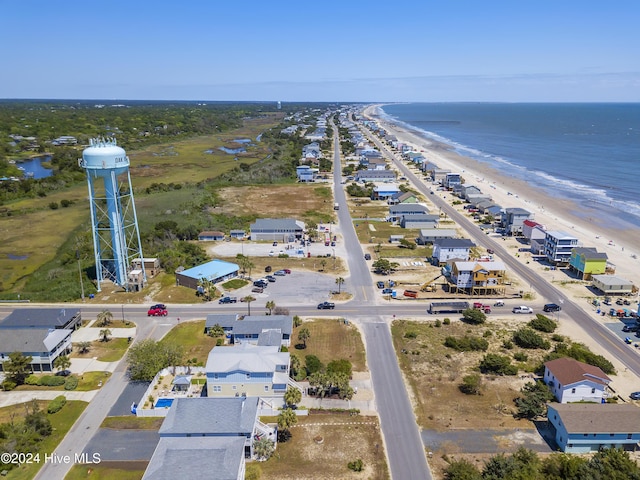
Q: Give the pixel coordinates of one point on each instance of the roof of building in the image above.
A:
(453, 243)
(568, 371)
(408, 208)
(214, 457)
(182, 380)
(277, 224)
(211, 234)
(386, 187)
(39, 317)
(557, 234)
(375, 174)
(517, 211)
(439, 233)
(259, 323)
(246, 358)
(611, 280)
(211, 270)
(598, 417)
(32, 339)
(590, 253)
(210, 415)
(476, 266)
(225, 320)
(269, 338)
(421, 217)
(402, 196)
(530, 223)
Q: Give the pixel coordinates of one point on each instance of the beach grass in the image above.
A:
(331, 339)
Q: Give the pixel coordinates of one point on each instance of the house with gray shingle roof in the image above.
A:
(277, 229)
(247, 370)
(43, 345)
(446, 249)
(43, 318)
(589, 427)
(250, 327)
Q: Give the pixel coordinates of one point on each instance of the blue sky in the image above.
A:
(345, 50)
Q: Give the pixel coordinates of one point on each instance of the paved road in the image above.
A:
(571, 312)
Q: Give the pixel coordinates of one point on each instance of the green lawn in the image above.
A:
(132, 423)
(108, 471)
(191, 336)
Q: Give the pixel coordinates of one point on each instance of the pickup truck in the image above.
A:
(228, 300)
(326, 306)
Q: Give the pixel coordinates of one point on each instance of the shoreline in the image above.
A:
(570, 216)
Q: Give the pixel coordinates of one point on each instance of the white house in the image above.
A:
(558, 246)
(574, 381)
(445, 249)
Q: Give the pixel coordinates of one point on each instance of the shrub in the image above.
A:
(219, 342)
(527, 338)
(8, 385)
(71, 383)
(313, 364)
(53, 205)
(437, 323)
(487, 333)
(467, 343)
(51, 381)
(543, 324)
(446, 321)
(581, 353)
(356, 465)
(471, 384)
(473, 315)
(56, 404)
(556, 337)
(411, 334)
(520, 356)
(64, 203)
(508, 344)
(340, 366)
(498, 364)
(32, 380)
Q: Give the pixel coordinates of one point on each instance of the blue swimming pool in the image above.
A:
(164, 402)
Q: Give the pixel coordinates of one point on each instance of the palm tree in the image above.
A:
(84, 347)
(292, 396)
(323, 263)
(62, 362)
(339, 282)
(303, 335)
(249, 299)
(270, 305)
(263, 448)
(104, 333)
(286, 420)
(104, 318)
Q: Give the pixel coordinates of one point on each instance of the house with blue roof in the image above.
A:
(214, 271)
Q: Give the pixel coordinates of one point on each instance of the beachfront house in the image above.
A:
(430, 235)
(529, 230)
(451, 180)
(439, 174)
(478, 278)
(277, 229)
(464, 190)
(215, 271)
(247, 370)
(558, 246)
(513, 220)
(396, 212)
(574, 381)
(589, 427)
(446, 249)
(587, 261)
(612, 285)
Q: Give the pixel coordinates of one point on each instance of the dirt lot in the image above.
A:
(322, 445)
(434, 372)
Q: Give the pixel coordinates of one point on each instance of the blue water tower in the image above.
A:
(116, 237)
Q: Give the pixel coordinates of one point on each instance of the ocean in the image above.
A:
(586, 152)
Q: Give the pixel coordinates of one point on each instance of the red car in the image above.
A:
(157, 312)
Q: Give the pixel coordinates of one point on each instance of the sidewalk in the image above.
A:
(15, 397)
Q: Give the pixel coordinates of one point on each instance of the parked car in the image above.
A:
(367, 256)
(551, 307)
(280, 273)
(380, 284)
(387, 291)
(228, 300)
(261, 283)
(63, 373)
(522, 309)
(275, 244)
(630, 328)
(270, 278)
(287, 271)
(157, 312)
(635, 396)
(499, 303)
(326, 306)
(158, 305)
(254, 290)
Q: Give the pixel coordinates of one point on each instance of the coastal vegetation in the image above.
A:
(180, 142)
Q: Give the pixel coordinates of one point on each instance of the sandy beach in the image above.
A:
(621, 245)
(555, 214)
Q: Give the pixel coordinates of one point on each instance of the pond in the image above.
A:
(233, 151)
(32, 167)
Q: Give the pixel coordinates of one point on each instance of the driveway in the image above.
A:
(485, 441)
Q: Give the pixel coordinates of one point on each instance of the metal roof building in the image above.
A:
(214, 271)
